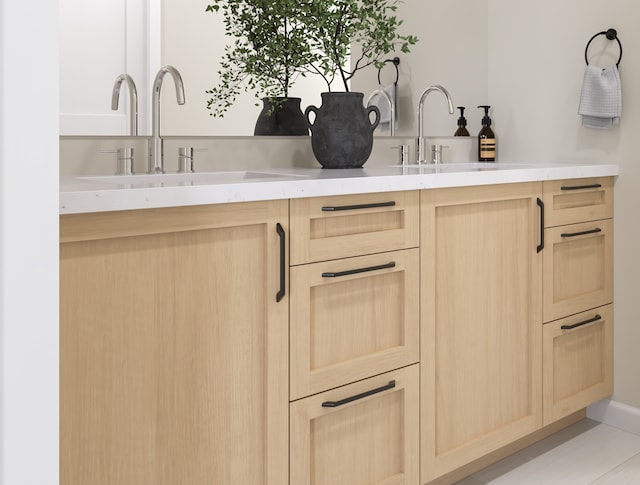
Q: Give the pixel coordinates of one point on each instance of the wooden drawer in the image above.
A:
(578, 362)
(372, 438)
(577, 200)
(353, 318)
(578, 268)
(324, 228)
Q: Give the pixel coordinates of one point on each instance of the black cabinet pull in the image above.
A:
(541, 205)
(359, 270)
(283, 269)
(580, 324)
(359, 206)
(581, 233)
(581, 187)
(335, 404)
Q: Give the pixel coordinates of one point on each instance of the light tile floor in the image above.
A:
(587, 453)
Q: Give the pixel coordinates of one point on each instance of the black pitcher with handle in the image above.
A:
(342, 131)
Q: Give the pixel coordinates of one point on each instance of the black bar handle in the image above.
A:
(283, 269)
(338, 274)
(581, 187)
(358, 206)
(581, 233)
(541, 205)
(580, 324)
(335, 404)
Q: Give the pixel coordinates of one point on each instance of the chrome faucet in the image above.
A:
(421, 142)
(133, 101)
(392, 108)
(156, 155)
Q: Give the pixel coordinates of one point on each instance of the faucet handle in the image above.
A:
(436, 153)
(124, 160)
(403, 153)
(185, 158)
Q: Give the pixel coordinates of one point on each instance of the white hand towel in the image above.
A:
(383, 106)
(601, 97)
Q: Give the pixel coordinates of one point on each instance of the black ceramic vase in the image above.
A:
(283, 119)
(342, 132)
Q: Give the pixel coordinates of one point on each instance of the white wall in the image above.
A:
(536, 64)
(29, 242)
(451, 51)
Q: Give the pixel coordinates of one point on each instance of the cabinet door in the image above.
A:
(578, 362)
(173, 348)
(361, 434)
(353, 318)
(578, 268)
(481, 344)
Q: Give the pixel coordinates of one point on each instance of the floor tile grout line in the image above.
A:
(614, 468)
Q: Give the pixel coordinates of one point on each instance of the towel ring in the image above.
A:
(395, 61)
(611, 34)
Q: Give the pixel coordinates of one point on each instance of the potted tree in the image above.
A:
(342, 133)
(269, 51)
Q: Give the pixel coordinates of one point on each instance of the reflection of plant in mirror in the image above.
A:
(270, 50)
(336, 25)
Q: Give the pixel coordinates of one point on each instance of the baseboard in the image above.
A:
(616, 414)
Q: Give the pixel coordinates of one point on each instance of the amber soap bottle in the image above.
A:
(486, 139)
(462, 124)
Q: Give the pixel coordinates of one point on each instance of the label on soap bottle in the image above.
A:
(487, 150)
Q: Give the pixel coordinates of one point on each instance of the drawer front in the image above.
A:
(353, 318)
(360, 434)
(578, 268)
(578, 362)
(324, 228)
(577, 200)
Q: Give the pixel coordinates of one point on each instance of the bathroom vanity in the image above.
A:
(387, 325)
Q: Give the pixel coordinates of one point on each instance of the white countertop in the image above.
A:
(113, 193)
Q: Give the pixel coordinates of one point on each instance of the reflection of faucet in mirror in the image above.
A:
(420, 145)
(156, 155)
(392, 108)
(133, 101)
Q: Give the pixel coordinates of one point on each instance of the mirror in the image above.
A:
(101, 40)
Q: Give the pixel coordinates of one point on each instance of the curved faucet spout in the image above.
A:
(133, 101)
(156, 155)
(177, 80)
(420, 145)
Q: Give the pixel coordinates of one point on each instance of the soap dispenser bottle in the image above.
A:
(486, 138)
(462, 124)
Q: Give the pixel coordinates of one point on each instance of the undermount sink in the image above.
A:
(461, 167)
(197, 178)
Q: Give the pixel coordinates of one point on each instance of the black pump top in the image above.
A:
(486, 121)
(462, 121)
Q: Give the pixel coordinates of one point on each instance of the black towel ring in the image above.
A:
(611, 34)
(395, 61)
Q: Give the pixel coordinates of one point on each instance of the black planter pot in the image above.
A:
(342, 132)
(286, 119)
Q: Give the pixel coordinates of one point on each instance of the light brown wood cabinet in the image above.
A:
(353, 318)
(354, 331)
(173, 347)
(336, 227)
(578, 288)
(402, 341)
(578, 257)
(481, 356)
(363, 433)
(578, 362)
